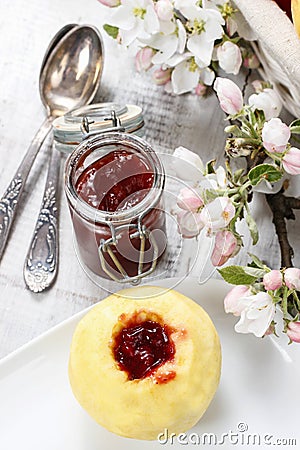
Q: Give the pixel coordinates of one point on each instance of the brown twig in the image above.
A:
(282, 209)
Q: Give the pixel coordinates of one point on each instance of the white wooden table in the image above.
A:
(26, 29)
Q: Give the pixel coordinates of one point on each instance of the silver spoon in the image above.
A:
(69, 78)
(45, 236)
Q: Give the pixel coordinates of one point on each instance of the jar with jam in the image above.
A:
(114, 183)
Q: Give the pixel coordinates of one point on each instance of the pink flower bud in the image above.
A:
(293, 331)
(272, 280)
(226, 245)
(189, 224)
(110, 3)
(161, 76)
(230, 57)
(231, 301)
(164, 10)
(229, 95)
(275, 135)
(292, 278)
(291, 161)
(251, 62)
(189, 200)
(143, 59)
(200, 90)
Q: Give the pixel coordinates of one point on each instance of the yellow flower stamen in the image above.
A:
(192, 65)
(227, 10)
(139, 12)
(225, 215)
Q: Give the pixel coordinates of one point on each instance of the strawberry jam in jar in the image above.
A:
(114, 184)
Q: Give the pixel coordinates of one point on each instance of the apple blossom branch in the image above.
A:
(258, 156)
(181, 43)
(258, 135)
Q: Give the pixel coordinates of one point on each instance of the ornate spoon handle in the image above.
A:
(41, 262)
(11, 197)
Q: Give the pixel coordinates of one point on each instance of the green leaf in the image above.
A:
(295, 126)
(266, 172)
(111, 31)
(252, 228)
(241, 275)
(256, 262)
(210, 167)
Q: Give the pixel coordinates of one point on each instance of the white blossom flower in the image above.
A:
(164, 9)
(135, 19)
(185, 75)
(257, 313)
(217, 214)
(213, 181)
(230, 57)
(165, 13)
(189, 223)
(167, 45)
(187, 165)
(267, 101)
(207, 76)
(204, 27)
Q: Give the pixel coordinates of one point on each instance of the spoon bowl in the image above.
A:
(71, 75)
(54, 41)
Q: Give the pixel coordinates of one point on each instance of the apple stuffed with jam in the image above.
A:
(145, 359)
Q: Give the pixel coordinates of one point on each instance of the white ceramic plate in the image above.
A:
(257, 400)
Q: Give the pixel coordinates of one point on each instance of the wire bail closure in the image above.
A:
(106, 248)
(116, 126)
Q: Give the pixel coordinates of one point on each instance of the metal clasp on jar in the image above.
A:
(116, 126)
(106, 248)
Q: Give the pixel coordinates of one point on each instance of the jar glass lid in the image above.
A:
(69, 130)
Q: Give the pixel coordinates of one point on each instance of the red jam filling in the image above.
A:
(140, 349)
(117, 181)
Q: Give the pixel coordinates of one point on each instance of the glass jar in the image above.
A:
(114, 183)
